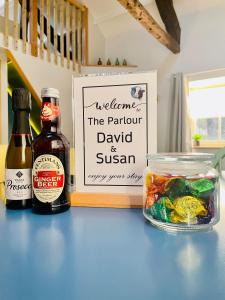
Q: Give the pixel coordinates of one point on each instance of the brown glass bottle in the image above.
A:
(18, 183)
(50, 152)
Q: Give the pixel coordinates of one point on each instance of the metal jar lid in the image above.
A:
(49, 93)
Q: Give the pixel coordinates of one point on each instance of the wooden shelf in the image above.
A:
(111, 66)
(208, 147)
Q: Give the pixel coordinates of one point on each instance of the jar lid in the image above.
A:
(181, 157)
(50, 92)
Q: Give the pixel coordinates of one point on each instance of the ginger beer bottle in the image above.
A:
(50, 151)
(18, 184)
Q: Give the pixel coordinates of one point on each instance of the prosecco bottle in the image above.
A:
(50, 153)
(18, 182)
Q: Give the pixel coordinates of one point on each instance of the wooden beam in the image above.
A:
(139, 12)
(169, 18)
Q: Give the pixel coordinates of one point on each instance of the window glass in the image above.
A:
(207, 108)
(208, 128)
(223, 128)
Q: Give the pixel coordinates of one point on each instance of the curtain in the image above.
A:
(179, 129)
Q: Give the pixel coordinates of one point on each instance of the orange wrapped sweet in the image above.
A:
(150, 201)
(155, 183)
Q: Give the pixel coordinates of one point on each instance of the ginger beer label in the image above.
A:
(48, 178)
(18, 185)
(49, 111)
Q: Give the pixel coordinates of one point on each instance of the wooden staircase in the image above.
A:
(57, 27)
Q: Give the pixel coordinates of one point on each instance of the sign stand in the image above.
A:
(106, 200)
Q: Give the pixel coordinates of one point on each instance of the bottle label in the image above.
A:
(49, 111)
(18, 184)
(48, 178)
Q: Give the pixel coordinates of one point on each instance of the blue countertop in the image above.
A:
(90, 253)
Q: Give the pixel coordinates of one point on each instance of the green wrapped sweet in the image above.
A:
(176, 187)
(159, 210)
(201, 187)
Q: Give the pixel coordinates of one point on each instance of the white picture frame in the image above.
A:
(115, 127)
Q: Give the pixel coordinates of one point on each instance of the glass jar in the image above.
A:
(181, 191)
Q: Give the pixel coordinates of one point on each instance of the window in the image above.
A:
(207, 110)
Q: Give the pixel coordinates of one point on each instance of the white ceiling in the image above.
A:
(103, 10)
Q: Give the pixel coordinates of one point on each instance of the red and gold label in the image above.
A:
(49, 111)
(48, 178)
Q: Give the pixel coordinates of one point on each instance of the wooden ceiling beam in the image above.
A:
(140, 13)
(169, 18)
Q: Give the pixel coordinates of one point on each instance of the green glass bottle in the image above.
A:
(18, 183)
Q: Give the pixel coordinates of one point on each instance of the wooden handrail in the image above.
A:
(77, 4)
(59, 26)
(11, 58)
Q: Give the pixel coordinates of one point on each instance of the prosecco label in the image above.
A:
(18, 184)
(48, 178)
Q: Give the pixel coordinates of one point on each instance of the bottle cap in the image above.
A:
(21, 99)
(50, 93)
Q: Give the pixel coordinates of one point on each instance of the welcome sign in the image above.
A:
(115, 127)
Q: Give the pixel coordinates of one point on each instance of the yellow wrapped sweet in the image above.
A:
(148, 179)
(185, 209)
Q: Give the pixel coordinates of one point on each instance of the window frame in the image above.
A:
(201, 76)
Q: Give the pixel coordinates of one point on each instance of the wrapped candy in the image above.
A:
(202, 187)
(211, 212)
(176, 199)
(155, 186)
(176, 187)
(159, 210)
(186, 209)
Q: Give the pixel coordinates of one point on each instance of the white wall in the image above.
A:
(96, 42)
(3, 100)
(202, 48)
